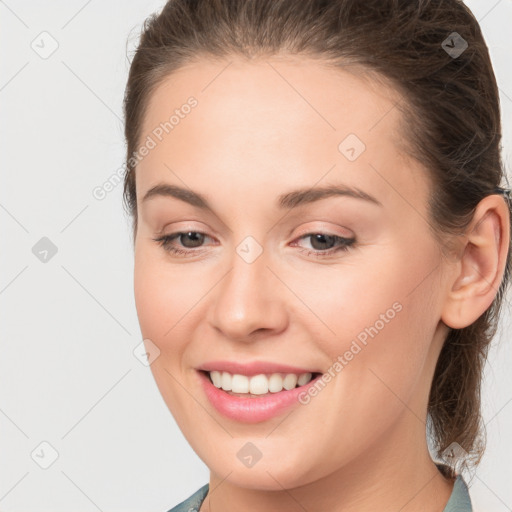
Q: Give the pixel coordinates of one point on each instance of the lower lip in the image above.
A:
(252, 410)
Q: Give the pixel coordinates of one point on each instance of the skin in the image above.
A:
(261, 129)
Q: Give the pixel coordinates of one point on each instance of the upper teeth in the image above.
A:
(258, 384)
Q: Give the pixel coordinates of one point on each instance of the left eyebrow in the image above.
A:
(309, 195)
(289, 200)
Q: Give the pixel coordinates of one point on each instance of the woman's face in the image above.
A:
(276, 273)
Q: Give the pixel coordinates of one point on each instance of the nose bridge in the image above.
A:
(247, 299)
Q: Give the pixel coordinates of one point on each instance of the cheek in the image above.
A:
(164, 299)
(390, 296)
(382, 318)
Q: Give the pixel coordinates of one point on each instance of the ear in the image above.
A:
(477, 273)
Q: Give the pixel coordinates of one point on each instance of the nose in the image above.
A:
(249, 301)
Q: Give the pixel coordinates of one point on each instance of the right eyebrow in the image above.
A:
(184, 194)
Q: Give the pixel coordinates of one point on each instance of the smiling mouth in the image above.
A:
(257, 386)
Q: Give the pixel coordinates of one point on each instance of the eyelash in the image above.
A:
(346, 244)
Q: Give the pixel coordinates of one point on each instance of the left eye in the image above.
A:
(323, 239)
(195, 239)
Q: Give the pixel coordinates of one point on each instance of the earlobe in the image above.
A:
(477, 275)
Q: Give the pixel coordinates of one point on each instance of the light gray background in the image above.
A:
(69, 326)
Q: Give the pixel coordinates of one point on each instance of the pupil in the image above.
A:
(197, 238)
(322, 239)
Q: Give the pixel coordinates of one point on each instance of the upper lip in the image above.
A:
(252, 368)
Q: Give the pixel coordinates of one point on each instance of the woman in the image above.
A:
(321, 245)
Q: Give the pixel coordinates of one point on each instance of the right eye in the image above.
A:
(196, 238)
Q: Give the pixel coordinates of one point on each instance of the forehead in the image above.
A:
(286, 91)
(270, 118)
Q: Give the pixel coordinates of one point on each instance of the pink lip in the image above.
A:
(253, 368)
(252, 410)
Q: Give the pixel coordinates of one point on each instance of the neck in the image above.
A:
(397, 474)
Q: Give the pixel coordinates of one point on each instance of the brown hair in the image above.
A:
(451, 111)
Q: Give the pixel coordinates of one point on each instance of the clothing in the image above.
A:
(192, 503)
(459, 499)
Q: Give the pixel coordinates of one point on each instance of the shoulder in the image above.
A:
(193, 502)
(459, 500)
